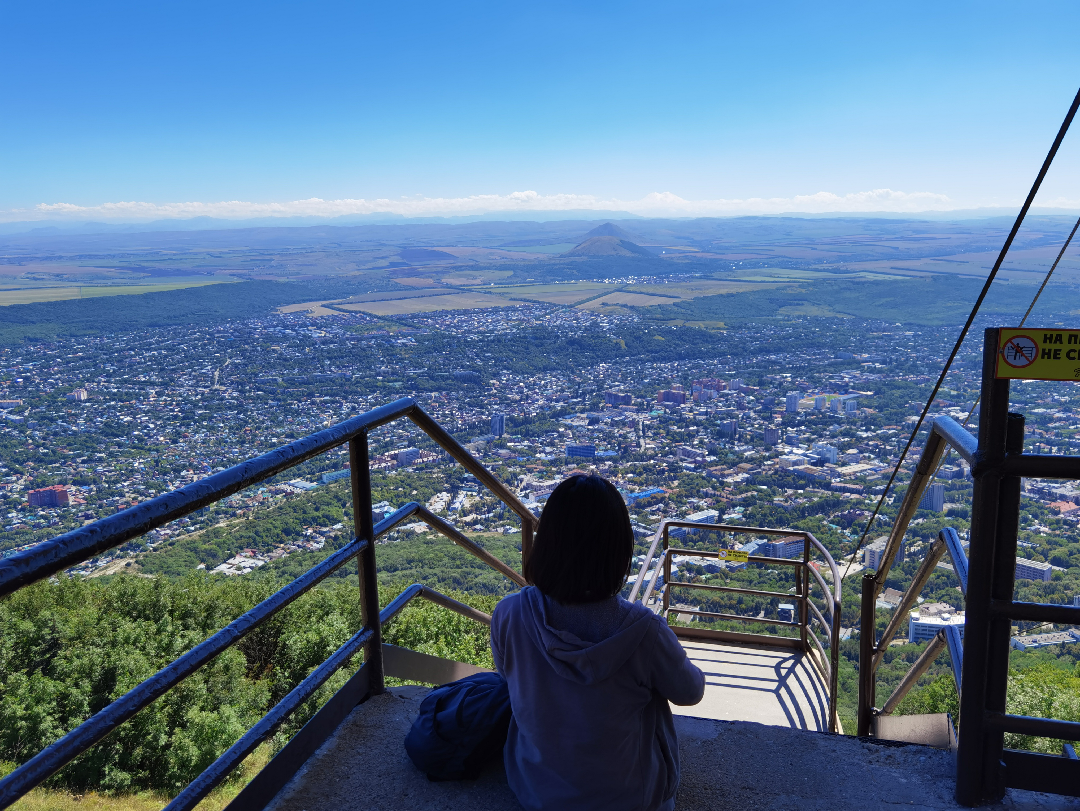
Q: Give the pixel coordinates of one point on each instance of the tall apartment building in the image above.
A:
(772, 436)
(55, 496)
(407, 457)
(933, 498)
(787, 547)
(873, 551)
(671, 396)
(498, 424)
(78, 395)
(791, 402)
(1033, 570)
(616, 398)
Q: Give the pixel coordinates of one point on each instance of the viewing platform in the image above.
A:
(734, 765)
(778, 687)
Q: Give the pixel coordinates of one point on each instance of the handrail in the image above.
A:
(915, 672)
(232, 757)
(73, 547)
(944, 433)
(918, 583)
(396, 606)
(828, 667)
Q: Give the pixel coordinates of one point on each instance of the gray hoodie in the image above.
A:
(592, 728)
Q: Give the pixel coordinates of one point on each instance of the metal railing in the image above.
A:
(985, 768)
(74, 547)
(825, 660)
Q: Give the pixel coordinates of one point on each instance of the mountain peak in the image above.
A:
(607, 246)
(610, 230)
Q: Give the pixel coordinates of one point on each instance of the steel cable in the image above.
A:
(970, 319)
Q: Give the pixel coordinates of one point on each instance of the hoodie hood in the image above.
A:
(574, 658)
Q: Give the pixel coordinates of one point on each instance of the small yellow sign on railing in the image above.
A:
(733, 555)
(1039, 354)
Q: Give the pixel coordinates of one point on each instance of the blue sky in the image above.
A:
(949, 105)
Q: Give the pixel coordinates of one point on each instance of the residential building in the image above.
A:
(581, 451)
(671, 396)
(772, 436)
(407, 457)
(933, 498)
(702, 517)
(825, 453)
(55, 496)
(617, 398)
(820, 401)
(925, 622)
(78, 395)
(785, 612)
(1033, 570)
(729, 428)
(498, 424)
(874, 550)
(786, 547)
(791, 402)
(691, 454)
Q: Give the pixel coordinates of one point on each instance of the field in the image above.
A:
(568, 294)
(428, 304)
(68, 293)
(588, 295)
(628, 299)
(562, 247)
(43, 799)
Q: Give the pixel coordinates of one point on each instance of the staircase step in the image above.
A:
(779, 687)
(726, 766)
(931, 729)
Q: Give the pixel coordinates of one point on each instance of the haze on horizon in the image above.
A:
(130, 112)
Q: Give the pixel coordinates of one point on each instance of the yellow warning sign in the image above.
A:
(733, 555)
(1039, 354)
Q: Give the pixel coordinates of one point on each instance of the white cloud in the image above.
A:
(654, 204)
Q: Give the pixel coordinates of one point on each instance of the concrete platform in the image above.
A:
(779, 687)
(726, 766)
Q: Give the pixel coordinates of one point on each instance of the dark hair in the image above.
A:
(584, 542)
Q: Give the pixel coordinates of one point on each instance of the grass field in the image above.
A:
(67, 293)
(562, 247)
(555, 293)
(696, 288)
(627, 298)
(42, 799)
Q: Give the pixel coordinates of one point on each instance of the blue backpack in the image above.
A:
(461, 727)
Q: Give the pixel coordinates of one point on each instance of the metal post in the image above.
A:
(802, 586)
(526, 540)
(867, 643)
(666, 593)
(365, 561)
(999, 629)
(978, 781)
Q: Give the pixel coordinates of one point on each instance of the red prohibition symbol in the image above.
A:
(1020, 351)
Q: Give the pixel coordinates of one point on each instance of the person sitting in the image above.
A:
(590, 674)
